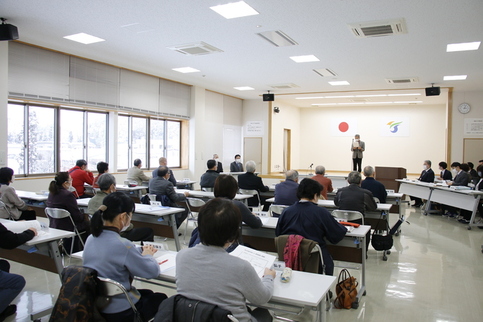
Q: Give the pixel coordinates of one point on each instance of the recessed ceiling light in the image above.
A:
(407, 102)
(342, 96)
(455, 77)
(309, 98)
(185, 70)
(463, 46)
(360, 103)
(304, 58)
(379, 103)
(339, 83)
(324, 104)
(84, 38)
(244, 88)
(372, 95)
(404, 94)
(234, 10)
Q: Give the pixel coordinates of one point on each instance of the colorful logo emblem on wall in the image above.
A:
(393, 126)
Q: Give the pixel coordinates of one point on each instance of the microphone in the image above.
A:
(310, 169)
(310, 166)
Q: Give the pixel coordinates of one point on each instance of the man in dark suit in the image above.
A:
(427, 175)
(462, 178)
(161, 186)
(209, 177)
(286, 192)
(236, 166)
(219, 165)
(374, 186)
(251, 181)
(445, 173)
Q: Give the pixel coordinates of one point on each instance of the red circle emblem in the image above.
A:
(343, 127)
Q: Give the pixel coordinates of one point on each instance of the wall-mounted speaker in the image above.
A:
(8, 32)
(433, 91)
(268, 97)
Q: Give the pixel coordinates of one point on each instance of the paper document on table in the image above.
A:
(21, 226)
(258, 260)
(264, 220)
(166, 261)
(349, 228)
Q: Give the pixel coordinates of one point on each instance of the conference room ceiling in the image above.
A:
(139, 34)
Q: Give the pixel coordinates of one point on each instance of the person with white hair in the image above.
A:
(374, 186)
(323, 180)
(251, 181)
(286, 191)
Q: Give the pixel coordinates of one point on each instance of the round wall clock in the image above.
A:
(464, 108)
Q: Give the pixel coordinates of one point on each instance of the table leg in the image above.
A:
(473, 214)
(321, 310)
(172, 219)
(56, 256)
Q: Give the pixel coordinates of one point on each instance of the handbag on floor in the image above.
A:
(379, 240)
(346, 290)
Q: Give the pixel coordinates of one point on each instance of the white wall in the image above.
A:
(475, 99)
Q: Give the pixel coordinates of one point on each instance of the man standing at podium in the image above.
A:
(357, 148)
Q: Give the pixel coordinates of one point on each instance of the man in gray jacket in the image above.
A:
(161, 186)
(357, 149)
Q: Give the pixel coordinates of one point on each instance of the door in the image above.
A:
(252, 150)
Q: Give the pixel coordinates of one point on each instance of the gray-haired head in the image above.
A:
(320, 169)
(354, 177)
(105, 181)
(292, 175)
(251, 166)
(428, 162)
(368, 171)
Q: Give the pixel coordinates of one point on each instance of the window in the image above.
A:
(156, 144)
(174, 143)
(123, 131)
(31, 139)
(83, 135)
(139, 140)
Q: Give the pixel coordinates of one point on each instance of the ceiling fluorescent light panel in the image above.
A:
(234, 10)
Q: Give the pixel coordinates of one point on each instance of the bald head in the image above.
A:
(292, 175)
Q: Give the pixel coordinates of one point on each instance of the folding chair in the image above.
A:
(276, 210)
(348, 215)
(194, 205)
(208, 189)
(252, 192)
(109, 288)
(58, 213)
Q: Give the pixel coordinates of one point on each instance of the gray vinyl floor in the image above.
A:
(434, 273)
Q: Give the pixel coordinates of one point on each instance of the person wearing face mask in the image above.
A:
(427, 175)
(15, 208)
(119, 259)
(61, 196)
(445, 174)
(107, 185)
(357, 148)
(219, 165)
(236, 166)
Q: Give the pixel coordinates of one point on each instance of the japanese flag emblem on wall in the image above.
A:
(343, 127)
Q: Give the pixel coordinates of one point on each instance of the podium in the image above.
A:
(388, 175)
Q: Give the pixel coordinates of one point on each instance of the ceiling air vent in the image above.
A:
(283, 86)
(402, 80)
(325, 72)
(277, 38)
(379, 28)
(195, 49)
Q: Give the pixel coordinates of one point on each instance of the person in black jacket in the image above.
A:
(445, 173)
(374, 186)
(251, 181)
(11, 284)
(427, 175)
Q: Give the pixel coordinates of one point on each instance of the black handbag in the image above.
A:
(380, 240)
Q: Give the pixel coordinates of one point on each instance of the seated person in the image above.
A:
(16, 207)
(445, 174)
(81, 175)
(137, 175)
(307, 219)
(462, 178)
(120, 260)
(219, 165)
(473, 174)
(102, 167)
(353, 197)
(60, 196)
(11, 284)
(161, 186)
(208, 273)
(378, 190)
(323, 180)
(427, 175)
(107, 185)
(251, 181)
(236, 166)
(164, 162)
(286, 191)
(208, 178)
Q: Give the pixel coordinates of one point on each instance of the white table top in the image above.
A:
(183, 182)
(125, 187)
(51, 234)
(209, 194)
(440, 186)
(331, 204)
(142, 208)
(40, 196)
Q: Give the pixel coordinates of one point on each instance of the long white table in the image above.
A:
(32, 196)
(211, 194)
(151, 214)
(34, 251)
(330, 204)
(350, 249)
(462, 199)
